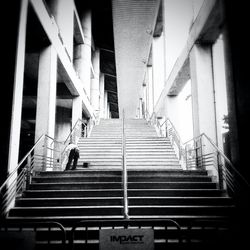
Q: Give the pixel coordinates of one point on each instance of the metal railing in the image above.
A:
(43, 155)
(167, 129)
(82, 231)
(124, 170)
(49, 234)
(175, 139)
(84, 234)
(80, 129)
(46, 154)
(203, 153)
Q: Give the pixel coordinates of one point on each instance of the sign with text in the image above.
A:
(126, 239)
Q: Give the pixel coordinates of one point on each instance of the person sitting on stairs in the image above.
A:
(72, 151)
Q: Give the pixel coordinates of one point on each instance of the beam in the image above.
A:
(78, 32)
(204, 29)
(74, 84)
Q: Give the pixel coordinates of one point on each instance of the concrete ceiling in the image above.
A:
(133, 24)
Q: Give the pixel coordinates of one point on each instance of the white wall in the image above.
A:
(196, 5)
(185, 113)
(158, 66)
(178, 15)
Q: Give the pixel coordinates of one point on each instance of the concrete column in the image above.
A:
(220, 88)
(63, 11)
(105, 104)
(95, 89)
(108, 111)
(46, 95)
(63, 123)
(203, 91)
(14, 140)
(231, 68)
(86, 49)
(82, 61)
(203, 99)
(144, 98)
(101, 87)
(76, 109)
(150, 90)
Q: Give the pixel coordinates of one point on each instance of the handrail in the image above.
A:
(79, 122)
(20, 163)
(228, 176)
(175, 137)
(162, 224)
(23, 159)
(226, 159)
(21, 226)
(73, 129)
(125, 177)
(20, 177)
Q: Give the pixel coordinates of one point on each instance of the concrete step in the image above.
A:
(114, 148)
(186, 201)
(104, 164)
(154, 155)
(118, 210)
(135, 172)
(152, 163)
(181, 210)
(112, 178)
(132, 201)
(118, 185)
(95, 158)
(53, 193)
(100, 154)
(66, 211)
(101, 142)
(70, 201)
(149, 146)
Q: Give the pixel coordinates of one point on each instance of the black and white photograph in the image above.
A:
(125, 125)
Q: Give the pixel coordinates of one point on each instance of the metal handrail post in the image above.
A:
(220, 171)
(125, 177)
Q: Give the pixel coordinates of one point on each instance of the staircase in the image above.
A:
(157, 187)
(103, 149)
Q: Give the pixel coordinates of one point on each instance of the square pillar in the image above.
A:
(63, 11)
(150, 90)
(76, 109)
(101, 88)
(82, 64)
(15, 129)
(95, 90)
(106, 104)
(203, 100)
(46, 97)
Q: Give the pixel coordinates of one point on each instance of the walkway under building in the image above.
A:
(156, 95)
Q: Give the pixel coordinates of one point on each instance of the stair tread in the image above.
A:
(138, 189)
(129, 182)
(120, 216)
(67, 207)
(130, 197)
